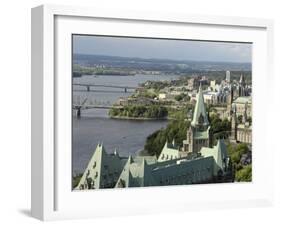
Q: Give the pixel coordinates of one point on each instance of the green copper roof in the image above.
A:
(169, 151)
(102, 168)
(219, 153)
(200, 111)
(149, 159)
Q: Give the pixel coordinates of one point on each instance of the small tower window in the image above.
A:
(201, 119)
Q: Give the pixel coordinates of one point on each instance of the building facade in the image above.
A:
(241, 126)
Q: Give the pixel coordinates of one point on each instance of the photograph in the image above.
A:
(157, 112)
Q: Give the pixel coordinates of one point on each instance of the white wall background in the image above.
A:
(15, 111)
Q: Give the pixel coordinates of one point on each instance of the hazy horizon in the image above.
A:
(163, 49)
(187, 60)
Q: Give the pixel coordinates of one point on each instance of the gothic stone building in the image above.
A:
(241, 128)
(198, 135)
(197, 162)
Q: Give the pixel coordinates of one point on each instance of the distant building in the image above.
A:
(242, 89)
(193, 84)
(210, 97)
(227, 76)
(213, 85)
(241, 128)
(162, 96)
(241, 104)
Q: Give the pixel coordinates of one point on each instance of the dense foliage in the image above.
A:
(176, 129)
(219, 125)
(244, 174)
(75, 180)
(235, 152)
(156, 85)
(181, 97)
(139, 111)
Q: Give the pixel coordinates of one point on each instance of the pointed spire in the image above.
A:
(116, 152)
(130, 159)
(242, 79)
(200, 111)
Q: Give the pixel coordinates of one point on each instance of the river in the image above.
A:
(127, 136)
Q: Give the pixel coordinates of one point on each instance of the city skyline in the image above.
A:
(185, 50)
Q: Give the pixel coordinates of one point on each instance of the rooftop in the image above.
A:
(243, 100)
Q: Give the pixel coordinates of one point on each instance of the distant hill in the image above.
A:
(158, 64)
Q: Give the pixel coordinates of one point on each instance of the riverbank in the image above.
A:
(138, 118)
(143, 112)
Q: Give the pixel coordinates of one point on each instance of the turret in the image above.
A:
(242, 86)
(242, 80)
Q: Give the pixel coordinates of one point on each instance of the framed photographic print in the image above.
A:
(136, 112)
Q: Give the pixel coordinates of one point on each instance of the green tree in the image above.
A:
(244, 174)
(176, 129)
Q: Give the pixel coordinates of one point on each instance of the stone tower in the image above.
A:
(242, 87)
(198, 135)
(230, 100)
(233, 124)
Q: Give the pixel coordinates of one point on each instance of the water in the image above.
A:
(127, 136)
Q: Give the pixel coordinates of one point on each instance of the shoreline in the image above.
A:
(138, 119)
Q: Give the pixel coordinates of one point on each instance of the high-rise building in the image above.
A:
(227, 76)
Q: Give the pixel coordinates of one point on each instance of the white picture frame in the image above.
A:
(52, 198)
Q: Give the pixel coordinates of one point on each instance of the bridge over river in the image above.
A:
(78, 105)
(88, 86)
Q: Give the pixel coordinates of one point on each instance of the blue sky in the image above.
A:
(163, 49)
